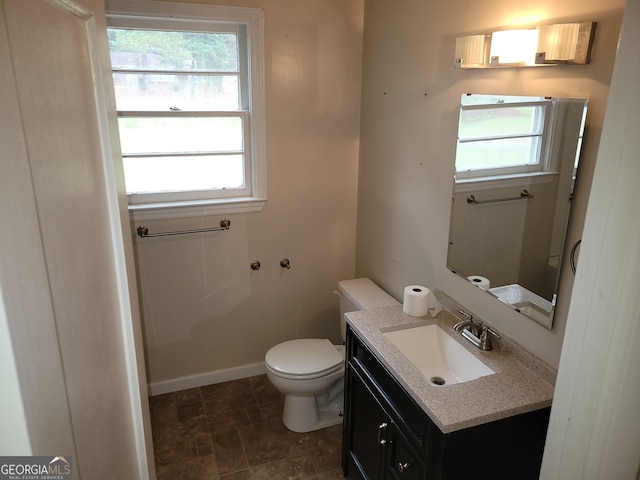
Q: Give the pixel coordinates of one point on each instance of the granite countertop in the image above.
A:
(522, 383)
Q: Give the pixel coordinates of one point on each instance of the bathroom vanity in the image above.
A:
(399, 425)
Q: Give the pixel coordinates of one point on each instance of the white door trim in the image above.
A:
(130, 321)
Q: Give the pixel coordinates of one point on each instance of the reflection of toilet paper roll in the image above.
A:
(480, 282)
(416, 300)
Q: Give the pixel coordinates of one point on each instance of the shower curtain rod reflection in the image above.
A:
(143, 231)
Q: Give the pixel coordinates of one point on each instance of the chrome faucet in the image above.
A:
(468, 324)
(475, 332)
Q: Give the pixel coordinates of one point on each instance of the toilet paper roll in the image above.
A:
(416, 300)
(480, 282)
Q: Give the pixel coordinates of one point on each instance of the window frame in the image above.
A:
(143, 14)
(543, 164)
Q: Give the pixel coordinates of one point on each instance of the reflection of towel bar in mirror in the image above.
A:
(143, 231)
(524, 195)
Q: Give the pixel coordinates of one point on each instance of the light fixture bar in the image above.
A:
(471, 51)
(563, 43)
(568, 43)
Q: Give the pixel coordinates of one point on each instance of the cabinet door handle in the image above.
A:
(381, 430)
(403, 466)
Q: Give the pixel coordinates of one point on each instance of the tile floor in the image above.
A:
(234, 431)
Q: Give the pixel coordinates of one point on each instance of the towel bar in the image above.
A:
(524, 195)
(143, 231)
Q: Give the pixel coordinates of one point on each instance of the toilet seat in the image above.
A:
(305, 358)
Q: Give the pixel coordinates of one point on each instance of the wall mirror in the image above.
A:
(516, 165)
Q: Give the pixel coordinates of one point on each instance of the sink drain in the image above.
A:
(437, 380)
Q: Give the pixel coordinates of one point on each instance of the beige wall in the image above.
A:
(409, 114)
(204, 309)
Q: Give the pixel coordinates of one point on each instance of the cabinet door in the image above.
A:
(403, 462)
(370, 429)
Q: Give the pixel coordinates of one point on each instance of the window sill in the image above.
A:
(502, 181)
(196, 208)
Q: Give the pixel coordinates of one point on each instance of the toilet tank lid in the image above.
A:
(365, 294)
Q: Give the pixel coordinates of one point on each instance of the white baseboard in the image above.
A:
(208, 378)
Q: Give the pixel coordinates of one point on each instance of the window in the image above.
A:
(580, 140)
(190, 97)
(500, 135)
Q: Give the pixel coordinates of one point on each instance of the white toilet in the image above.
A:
(310, 371)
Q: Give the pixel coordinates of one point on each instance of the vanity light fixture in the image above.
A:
(562, 43)
(513, 47)
(471, 51)
(565, 43)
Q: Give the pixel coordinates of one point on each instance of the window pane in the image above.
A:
(497, 153)
(170, 174)
(180, 134)
(182, 51)
(186, 92)
(490, 122)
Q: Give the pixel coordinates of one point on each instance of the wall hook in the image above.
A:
(255, 265)
(284, 263)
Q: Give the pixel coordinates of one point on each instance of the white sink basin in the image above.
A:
(441, 359)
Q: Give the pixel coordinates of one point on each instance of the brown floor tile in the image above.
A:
(164, 417)
(189, 411)
(332, 475)
(234, 431)
(268, 413)
(267, 441)
(197, 469)
(225, 396)
(180, 452)
(165, 400)
(204, 446)
(227, 448)
(193, 427)
(220, 421)
(264, 391)
(288, 468)
(327, 449)
(242, 475)
(188, 396)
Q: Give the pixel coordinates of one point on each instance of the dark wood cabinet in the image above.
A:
(370, 422)
(387, 435)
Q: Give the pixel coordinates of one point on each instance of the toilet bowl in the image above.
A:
(310, 371)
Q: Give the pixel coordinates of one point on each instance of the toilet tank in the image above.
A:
(361, 294)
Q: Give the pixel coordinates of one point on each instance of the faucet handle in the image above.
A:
(488, 330)
(485, 338)
(468, 316)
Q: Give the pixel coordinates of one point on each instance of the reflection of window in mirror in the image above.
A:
(580, 138)
(503, 135)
